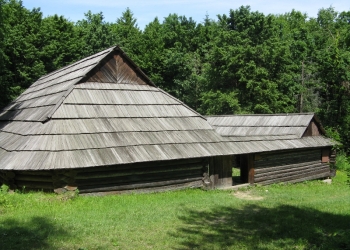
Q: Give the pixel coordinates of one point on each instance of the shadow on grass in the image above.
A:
(33, 234)
(256, 227)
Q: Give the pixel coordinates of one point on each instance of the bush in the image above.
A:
(343, 162)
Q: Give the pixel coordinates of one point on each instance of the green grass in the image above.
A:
(310, 215)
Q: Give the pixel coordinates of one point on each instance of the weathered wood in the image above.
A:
(325, 154)
(137, 186)
(291, 166)
(291, 173)
(117, 70)
(220, 171)
(136, 171)
(312, 129)
(137, 179)
(164, 164)
(193, 184)
(35, 185)
(289, 152)
(39, 172)
(251, 170)
(243, 164)
(293, 179)
(34, 178)
(284, 159)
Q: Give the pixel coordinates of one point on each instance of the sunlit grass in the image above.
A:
(310, 215)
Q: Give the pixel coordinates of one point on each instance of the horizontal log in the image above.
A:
(295, 180)
(34, 185)
(138, 178)
(287, 167)
(193, 184)
(285, 174)
(285, 161)
(203, 161)
(311, 175)
(283, 154)
(33, 178)
(291, 152)
(136, 171)
(137, 186)
(36, 173)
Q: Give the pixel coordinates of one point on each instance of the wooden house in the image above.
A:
(101, 125)
(273, 148)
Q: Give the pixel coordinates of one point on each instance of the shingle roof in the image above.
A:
(64, 120)
(259, 133)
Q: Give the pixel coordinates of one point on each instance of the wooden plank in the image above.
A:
(86, 189)
(283, 178)
(33, 178)
(325, 155)
(300, 178)
(117, 70)
(193, 184)
(137, 171)
(251, 170)
(34, 185)
(220, 171)
(277, 175)
(290, 166)
(138, 178)
(165, 164)
(287, 158)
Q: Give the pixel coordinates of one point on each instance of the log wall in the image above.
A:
(220, 171)
(150, 176)
(290, 166)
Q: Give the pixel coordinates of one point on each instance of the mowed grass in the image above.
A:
(310, 215)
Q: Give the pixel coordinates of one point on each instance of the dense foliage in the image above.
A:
(243, 62)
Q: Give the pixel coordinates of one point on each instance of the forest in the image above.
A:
(243, 62)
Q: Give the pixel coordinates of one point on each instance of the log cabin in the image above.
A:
(100, 125)
(273, 148)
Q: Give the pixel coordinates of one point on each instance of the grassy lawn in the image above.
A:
(310, 215)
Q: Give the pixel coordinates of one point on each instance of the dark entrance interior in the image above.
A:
(240, 170)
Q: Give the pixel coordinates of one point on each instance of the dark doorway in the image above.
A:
(240, 170)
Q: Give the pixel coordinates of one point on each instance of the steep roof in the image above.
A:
(102, 110)
(259, 133)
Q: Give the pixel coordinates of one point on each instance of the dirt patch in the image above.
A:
(247, 196)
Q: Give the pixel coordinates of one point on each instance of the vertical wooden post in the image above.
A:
(251, 170)
(325, 155)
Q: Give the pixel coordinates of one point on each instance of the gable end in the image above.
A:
(312, 129)
(117, 68)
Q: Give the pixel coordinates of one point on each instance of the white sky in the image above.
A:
(145, 11)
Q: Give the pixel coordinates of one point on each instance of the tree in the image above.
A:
(60, 44)
(21, 47)
(3, 82)
(128, 35)
(249, 58)
(334, 70)
(95, 33)
(152, 51)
